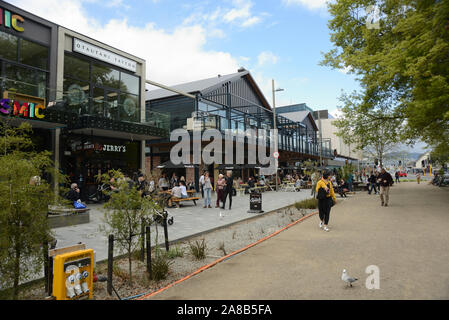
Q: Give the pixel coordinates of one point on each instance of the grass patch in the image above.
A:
(307, 204)
(175, 252)
(198, 249)
(160, 265)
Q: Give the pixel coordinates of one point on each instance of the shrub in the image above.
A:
(175, 252)
(160, 265)
(198, 249)
(307, 204)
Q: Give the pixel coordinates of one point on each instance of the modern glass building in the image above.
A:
(84, 99)
(226, 102)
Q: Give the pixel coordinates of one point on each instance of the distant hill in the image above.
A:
(408, 155)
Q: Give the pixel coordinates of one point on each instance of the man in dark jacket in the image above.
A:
(74, 193)
(386, 181)
(142, 185)
(372, 184)
(228, 189)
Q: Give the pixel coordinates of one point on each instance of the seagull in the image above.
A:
(221, 215)
(347, 278)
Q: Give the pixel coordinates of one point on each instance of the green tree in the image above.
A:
(403, 64)
(124, 213)
(376, 131)
(24, 200)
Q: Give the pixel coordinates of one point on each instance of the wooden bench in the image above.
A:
(241, 191)
(178, 200)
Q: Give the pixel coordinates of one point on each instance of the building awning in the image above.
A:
(105, 127)
(171, 165)
(38, 124)
(114, 134)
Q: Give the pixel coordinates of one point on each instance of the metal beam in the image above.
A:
(188, 95)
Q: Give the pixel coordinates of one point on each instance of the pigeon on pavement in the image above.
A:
(348, 279)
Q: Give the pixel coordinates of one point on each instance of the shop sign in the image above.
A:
(10, 20)
(103, 55)
(22, 105)
(101, 147)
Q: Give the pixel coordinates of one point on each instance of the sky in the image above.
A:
(188, 40)
(185, 40)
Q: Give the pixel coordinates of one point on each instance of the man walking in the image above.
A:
(202, 185)
(385, 180)
(228, 189)
(372, 184)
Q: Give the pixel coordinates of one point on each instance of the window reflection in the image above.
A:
(129, 83)
(76, 67)
(8, 46)
(25, 81)
(105, 76)
(33, 54)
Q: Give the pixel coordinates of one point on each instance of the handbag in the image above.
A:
(78, 205)
(234, 192)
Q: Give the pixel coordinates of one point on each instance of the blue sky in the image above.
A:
(191, 40)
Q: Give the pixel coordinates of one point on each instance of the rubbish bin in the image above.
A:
(255, 202)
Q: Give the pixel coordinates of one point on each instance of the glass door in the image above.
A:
(111, 104)
(105, 103)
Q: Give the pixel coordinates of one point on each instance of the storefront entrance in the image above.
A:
(85, 158)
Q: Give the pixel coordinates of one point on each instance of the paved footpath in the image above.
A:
(408, 241)
(188, 220)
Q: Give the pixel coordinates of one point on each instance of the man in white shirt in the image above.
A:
(202, 185)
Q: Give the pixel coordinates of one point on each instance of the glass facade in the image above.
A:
(24, 66)
(97, 89)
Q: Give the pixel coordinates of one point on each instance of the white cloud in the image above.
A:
(172, 57)
(345, 70)
(266, 57)
(310, 4)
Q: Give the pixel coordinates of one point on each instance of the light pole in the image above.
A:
(276, 140)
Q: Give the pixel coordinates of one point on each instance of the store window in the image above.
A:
(129, 110)
(76, 67)
(33, 54)
(26, 81)
(105, 76)
(129, 83)
(106, 92)
(77, 95)
(8, 46)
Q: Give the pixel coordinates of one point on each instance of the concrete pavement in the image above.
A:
(408, 241)
(188, 220)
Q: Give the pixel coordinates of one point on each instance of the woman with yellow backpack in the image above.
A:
(326, 199)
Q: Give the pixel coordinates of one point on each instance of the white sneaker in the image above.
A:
(326, 229)
(321, 225)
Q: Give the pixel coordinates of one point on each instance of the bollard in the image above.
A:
(166, 231)
(46, 267)
(142, 242)
(148, 236)
(110, 262)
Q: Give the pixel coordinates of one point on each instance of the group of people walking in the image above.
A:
(323, 189)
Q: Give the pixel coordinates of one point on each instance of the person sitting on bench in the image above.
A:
(182, 186)
(343, 188)
(176, 193)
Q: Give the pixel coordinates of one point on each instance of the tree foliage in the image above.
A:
(403, 65)
(24, 199)
(375, 131)
(124, 213)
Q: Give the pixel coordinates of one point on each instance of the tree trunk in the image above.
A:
(16, 274)
(130, 265)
